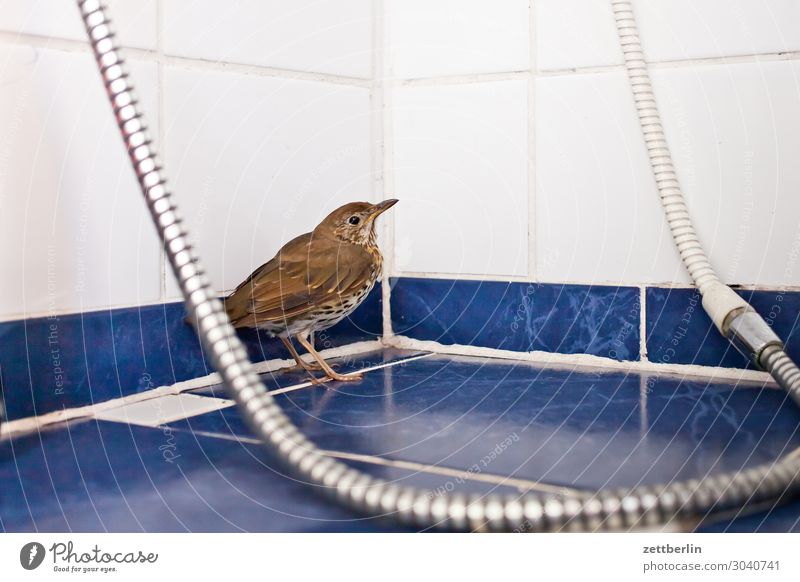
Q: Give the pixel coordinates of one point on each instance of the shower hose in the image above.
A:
(612, 509)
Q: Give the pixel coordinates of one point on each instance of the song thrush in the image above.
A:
(315, 281)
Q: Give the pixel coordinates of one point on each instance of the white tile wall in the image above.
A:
(581, 33)
(450, 37)
(74, 233)
(460, 171)
(597, 207)
(733, 130)
(258, 158)
(324, 36)
(134, 20)
(256, 161)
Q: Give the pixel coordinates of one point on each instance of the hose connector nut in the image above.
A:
(752, 335)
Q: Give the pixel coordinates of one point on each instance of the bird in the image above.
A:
(313, 282)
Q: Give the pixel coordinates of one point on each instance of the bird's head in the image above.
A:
(354, 222)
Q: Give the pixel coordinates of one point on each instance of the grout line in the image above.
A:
(463, 474)
(532, 166)
(36, 423)
(383, 73)
(643, 323)
(309, 384)
(459, 79)
(162, 132)
(606, 365)
(492, 478)
(463, 79)
(11, 317)
(678, 63)
(607, 283)
(151, 55)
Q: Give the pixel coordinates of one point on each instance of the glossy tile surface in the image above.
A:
(680, 332)
(97, 356)
(570, 428)
(440, 422)
(289, 378)
(105, 476)
(568, 319)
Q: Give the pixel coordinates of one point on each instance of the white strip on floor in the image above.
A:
(164, 409)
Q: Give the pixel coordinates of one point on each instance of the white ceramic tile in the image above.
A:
(325, 36)
(460, 172)
(598, 217)
(164, 409)
(450, 37)
(256, 161)
(134, 20)
(578, 33)
(74, 231)
(733, 130)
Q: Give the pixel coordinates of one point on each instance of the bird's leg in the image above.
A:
(310, 368)
(301, 364)
(325, 366)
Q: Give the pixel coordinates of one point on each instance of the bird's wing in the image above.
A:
(304, 274)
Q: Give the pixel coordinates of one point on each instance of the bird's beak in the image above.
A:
(381, 207)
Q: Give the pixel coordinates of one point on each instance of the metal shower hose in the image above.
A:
(621, 508)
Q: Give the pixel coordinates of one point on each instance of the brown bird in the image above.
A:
(315, 281)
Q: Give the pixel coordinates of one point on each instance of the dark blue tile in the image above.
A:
(781, 518)
(99, 476)
(72, 360)
(522, 317)
(284, 378)
(580, 429)
(680, 332)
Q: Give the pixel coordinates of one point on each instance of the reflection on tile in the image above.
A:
(523, 317)
(286, 378)
(680, 332)
(76, 360)
(101, 476)
(164, 409)
(565, 427)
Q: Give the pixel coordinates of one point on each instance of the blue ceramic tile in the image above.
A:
(101, 476)
(522, 317)
(572, 428)
(780, 519)
(72, 360)
(344, 364)
(680, 332)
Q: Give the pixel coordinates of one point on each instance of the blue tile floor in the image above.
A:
(436, 421)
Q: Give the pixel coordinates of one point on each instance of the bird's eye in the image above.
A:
(354, 220)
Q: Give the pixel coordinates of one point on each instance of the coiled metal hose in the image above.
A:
(532, 511)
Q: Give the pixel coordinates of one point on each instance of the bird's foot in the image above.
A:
(346, 378)
(335, 378)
